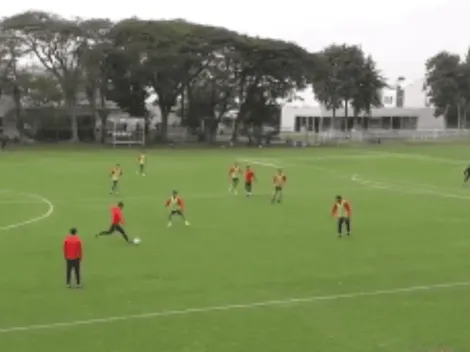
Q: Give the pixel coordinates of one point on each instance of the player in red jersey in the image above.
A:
(175, 204)
(279, 181)
(250, 177)
(234, 173)
(117, 221)
(342, 211)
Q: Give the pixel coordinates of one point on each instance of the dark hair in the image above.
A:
(73, 231)
(120, 204)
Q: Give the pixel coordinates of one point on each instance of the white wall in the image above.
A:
(415, 95)
(289, 112)
(389, 98)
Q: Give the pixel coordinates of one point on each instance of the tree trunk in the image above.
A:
(72, 106)
(164, 124)
(18, 110)
(103, 117)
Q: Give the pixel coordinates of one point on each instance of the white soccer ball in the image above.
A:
(136, 240)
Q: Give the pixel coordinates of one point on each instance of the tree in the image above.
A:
(97, 68)
(41, 89)
(59, 45)
(346, 77)
(268, 71)
(367, 92)
(167, 55)
(447, 81)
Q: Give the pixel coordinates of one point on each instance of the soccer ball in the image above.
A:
(136, 240)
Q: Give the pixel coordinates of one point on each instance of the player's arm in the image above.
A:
(64, 248)
(167, 203)
(80, 252)
(230, 171)
(334, 210)
(348, 208)
(181, 203)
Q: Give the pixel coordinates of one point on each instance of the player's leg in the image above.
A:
(68, 273)
(466, 178)
(76, 270)
(340, 226)
(248, 188)
(122, 232)
(142, 169)
(114, 187)
(234, 186)
(182, 216)
(348, 226)
(277, 195)
(111, 229)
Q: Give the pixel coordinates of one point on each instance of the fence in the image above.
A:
(375, 136)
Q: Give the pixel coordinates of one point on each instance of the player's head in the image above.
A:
(174, 193)
(248, 167)
(73, 231)
(339, 198)
(121, 205)
(279, 171)
(235, 163)
(118, 165)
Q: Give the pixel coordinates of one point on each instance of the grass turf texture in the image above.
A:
(410, 228)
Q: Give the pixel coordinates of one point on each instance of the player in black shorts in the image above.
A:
(116, 223)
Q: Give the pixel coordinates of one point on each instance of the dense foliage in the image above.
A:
(203, 71)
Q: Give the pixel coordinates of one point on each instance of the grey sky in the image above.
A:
(400, 34)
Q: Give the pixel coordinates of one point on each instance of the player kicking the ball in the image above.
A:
(342, 211)
(279, 181)
(117, 221)
(176, 206)
(141, 160)
(234, 173)
(115, 174)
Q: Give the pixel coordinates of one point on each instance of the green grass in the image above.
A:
(410, 228)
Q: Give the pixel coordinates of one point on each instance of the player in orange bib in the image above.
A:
(141, 160)
(279, 181)
(234, 174)
(115, 174)
(342, 211)
(175, 205)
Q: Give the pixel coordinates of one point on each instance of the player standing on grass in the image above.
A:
(466, 174)
(279, 181)
(342, 211)
(176, 206)
(73, 252)
(234, 173)
(141, 159)
(250, 177)
(116, 173)
(117, 221)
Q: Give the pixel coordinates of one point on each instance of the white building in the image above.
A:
(415, 113)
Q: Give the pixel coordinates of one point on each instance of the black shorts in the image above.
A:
(235, 181)
(176, 212)
(278, 189)
(248, 186)
(115, 227)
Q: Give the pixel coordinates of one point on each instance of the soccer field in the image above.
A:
(246, 275)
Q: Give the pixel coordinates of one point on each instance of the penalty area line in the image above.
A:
(40, 199)
(230, 307)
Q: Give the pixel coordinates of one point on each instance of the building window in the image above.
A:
(310, 123)
(326, 123)
(388, 100)
(297, 124)
(409, 123)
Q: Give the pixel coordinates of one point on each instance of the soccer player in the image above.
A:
(176, 206)
(73, 256)
(342, 211)
(279, 181)
(466, 174)
(116, 173)
(141, 159)
(250, 177)
(117, 221)
(234, 173)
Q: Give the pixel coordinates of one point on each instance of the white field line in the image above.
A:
(230, 307)
(40, 199)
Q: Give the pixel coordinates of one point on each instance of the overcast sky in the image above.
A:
(400, 34)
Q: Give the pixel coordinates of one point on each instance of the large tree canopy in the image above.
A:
(202, 71)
